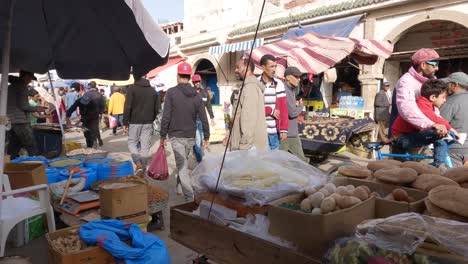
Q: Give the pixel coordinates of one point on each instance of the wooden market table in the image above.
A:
(226, 245)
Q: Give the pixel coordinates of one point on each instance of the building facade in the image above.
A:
(408, 24)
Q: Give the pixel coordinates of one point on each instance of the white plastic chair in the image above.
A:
(13, 210)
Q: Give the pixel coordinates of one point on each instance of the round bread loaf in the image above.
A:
(354, 171)
(421, 168)
(396, 175)
(457, 174)
(427, 182)
(450, 198)
(435, 211)
(376, 165)
(464, 185)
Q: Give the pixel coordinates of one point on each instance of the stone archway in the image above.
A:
(209, 73)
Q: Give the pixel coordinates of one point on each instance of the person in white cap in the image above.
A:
(455, 111)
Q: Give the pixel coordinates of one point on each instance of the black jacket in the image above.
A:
(182, 105)
(141, 104)
(382, 106)
(206, 101)
(91, 105)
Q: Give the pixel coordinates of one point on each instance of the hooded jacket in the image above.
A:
(182, 105)
(141, 104)
(91, 105)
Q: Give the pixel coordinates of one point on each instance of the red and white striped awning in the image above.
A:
(314, 53)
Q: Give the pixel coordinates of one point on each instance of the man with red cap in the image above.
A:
(198, 148)
(182, 106)
(408, 88)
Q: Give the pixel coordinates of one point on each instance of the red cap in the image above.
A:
(184, 68)
(424, 55)
(196, 78)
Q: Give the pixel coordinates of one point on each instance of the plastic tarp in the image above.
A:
(257, 177)
(335, 28)
(404, 233)
(111, 234)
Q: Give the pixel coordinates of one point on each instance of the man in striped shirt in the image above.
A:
(276, 106)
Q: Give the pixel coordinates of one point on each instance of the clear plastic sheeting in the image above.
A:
(257, 177)
(403, 233)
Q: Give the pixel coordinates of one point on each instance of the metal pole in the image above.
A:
(57, 109)
(4, 90)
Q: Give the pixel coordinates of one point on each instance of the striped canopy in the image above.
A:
(314, 53)
(233, 47)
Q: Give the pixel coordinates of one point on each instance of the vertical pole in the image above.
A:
(4, 90)
(57, 109)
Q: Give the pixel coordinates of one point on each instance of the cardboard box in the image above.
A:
(314, 234)
(23, 175)
(90, 255)
(385, 208)
(129, 204)
(6, 159)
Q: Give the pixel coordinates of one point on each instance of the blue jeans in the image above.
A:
(424, 138)
(120, 122)
(198, 147)
(273, 141)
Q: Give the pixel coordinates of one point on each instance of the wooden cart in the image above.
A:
(226, 245)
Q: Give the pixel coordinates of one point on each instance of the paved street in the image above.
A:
(117, 147)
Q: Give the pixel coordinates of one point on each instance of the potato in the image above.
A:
(366, 188)
(350, 188)
(342, 190)
(335, 196)
(400, 195)
(328, 205)
(360, 193)
(330, 187)
(325, 192)
(310, 190)
(348, 201)
(306, 205)
(316, 199)
(316, 211)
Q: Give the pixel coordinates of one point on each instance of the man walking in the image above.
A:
(382, 111)
(182, 106)
(293, 143)
(196, 80)
(249, 126)
(140, 110)
(276, 107)
(455, 111)
(116, 107)
(91, 107)
(18, 109)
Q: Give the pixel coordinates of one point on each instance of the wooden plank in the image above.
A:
(225, 245)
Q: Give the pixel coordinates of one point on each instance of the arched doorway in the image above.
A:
(207, 71)
(448, 38)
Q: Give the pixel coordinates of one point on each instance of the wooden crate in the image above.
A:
(226, 245)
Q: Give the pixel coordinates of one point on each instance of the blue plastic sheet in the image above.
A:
(111, 234)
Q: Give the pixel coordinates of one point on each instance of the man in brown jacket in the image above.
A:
(249, 126)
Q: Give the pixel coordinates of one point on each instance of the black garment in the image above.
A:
(182, 105)
(91, 105)
(382, 106)
(141, 104)
(21, 136)
(207, 102)
(92, 134)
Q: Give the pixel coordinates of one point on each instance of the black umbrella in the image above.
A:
(81, 39)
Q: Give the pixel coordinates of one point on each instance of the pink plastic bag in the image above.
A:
(113, 122)
(158, 168)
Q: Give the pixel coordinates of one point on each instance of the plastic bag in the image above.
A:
(158, 168)
(404, 233)
(111, 234)
(257, 177)
(113, 122)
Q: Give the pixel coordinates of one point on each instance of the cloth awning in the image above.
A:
(233, 47)
(335, 28)
(130, 81)
(314, 53)
(172, 61)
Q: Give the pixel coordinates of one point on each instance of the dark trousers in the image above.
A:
(21, 136)
(92, 134)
